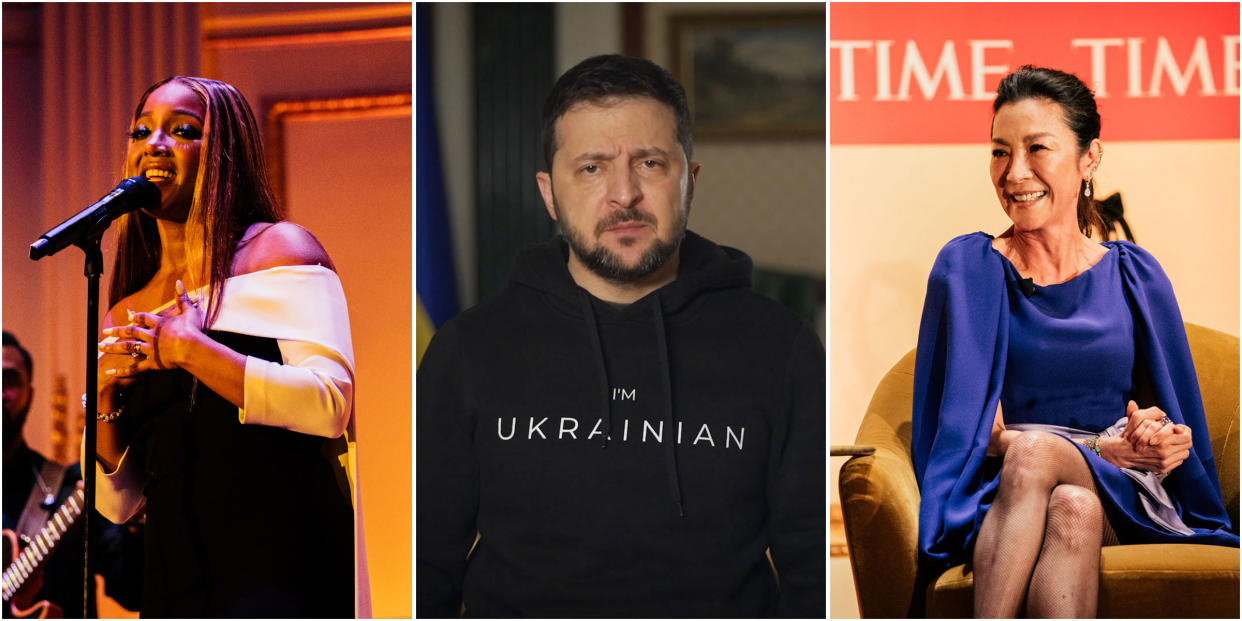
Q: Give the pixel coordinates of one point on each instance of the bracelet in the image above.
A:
(111, 416)
(1093, 444)
(108, 417)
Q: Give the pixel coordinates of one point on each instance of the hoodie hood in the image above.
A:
(704, 267)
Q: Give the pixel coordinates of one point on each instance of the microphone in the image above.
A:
(130, 194)
(1027, 286)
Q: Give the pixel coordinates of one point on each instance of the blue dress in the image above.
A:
(1067, 355)
(1071, 350)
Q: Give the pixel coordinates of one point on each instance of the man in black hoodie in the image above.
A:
(628, 427)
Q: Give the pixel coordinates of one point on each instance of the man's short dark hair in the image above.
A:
(11, 341)
(612, 75)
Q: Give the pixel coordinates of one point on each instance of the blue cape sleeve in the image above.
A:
(1161, 340)
(958, 372)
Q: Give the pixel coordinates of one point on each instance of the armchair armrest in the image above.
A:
(880, 501)
(850, 450)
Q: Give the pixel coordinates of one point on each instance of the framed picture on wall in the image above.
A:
(752, 75)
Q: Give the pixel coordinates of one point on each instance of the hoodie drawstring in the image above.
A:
(670, 446)
(601, 370)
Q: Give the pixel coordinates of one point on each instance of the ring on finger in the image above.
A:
(1166, 420)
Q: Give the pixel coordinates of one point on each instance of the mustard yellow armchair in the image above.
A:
(880, 500)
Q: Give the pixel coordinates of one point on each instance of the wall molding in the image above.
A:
(378, 35)
(295, 22)
(278, 113)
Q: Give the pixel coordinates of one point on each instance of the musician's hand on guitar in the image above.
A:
(20, 602)
(24, 562)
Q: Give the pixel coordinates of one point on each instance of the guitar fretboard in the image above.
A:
(42, 544)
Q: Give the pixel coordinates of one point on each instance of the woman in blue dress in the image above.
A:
(1056, 408)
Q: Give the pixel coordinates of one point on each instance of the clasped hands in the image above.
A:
(152, 341)
(1149, 442)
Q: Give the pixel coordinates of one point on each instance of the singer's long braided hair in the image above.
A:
(232, 190)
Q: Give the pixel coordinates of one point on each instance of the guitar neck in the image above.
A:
(42, 544)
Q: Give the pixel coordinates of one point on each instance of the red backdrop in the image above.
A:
(926, 73)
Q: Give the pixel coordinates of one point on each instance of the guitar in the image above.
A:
(22, 577)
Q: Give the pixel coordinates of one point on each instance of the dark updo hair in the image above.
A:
(1078, 106)
(611, 75)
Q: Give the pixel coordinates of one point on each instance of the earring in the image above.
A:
(1087, 183)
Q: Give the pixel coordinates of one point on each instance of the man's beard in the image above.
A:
(14, 421)
(604, 263)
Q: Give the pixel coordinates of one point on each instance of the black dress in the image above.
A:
(242, 520)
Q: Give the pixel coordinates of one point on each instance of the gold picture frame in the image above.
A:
(279, 112)
(753, 76)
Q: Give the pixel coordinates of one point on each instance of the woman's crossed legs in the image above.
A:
(1040, 540)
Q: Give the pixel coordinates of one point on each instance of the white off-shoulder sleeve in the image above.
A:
(118, 496)
(312, 392)
(303, 307)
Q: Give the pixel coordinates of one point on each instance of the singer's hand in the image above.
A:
(113, 379)
(109, 382)
(157, 341)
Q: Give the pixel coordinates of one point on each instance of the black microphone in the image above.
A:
(1027, 287)
(130, 194)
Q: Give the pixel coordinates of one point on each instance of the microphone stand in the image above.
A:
(88, 227)
(93, 269)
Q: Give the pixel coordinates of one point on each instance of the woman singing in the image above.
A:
(226, 376)
(1056, 408)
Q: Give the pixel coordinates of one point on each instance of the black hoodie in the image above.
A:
(622, 462)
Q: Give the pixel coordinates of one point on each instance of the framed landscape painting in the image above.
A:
(752, 76)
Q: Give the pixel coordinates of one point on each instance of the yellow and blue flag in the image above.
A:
(434, 279)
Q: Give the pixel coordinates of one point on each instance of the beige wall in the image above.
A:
(893, 207)
(585, 29)
(764, 197)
